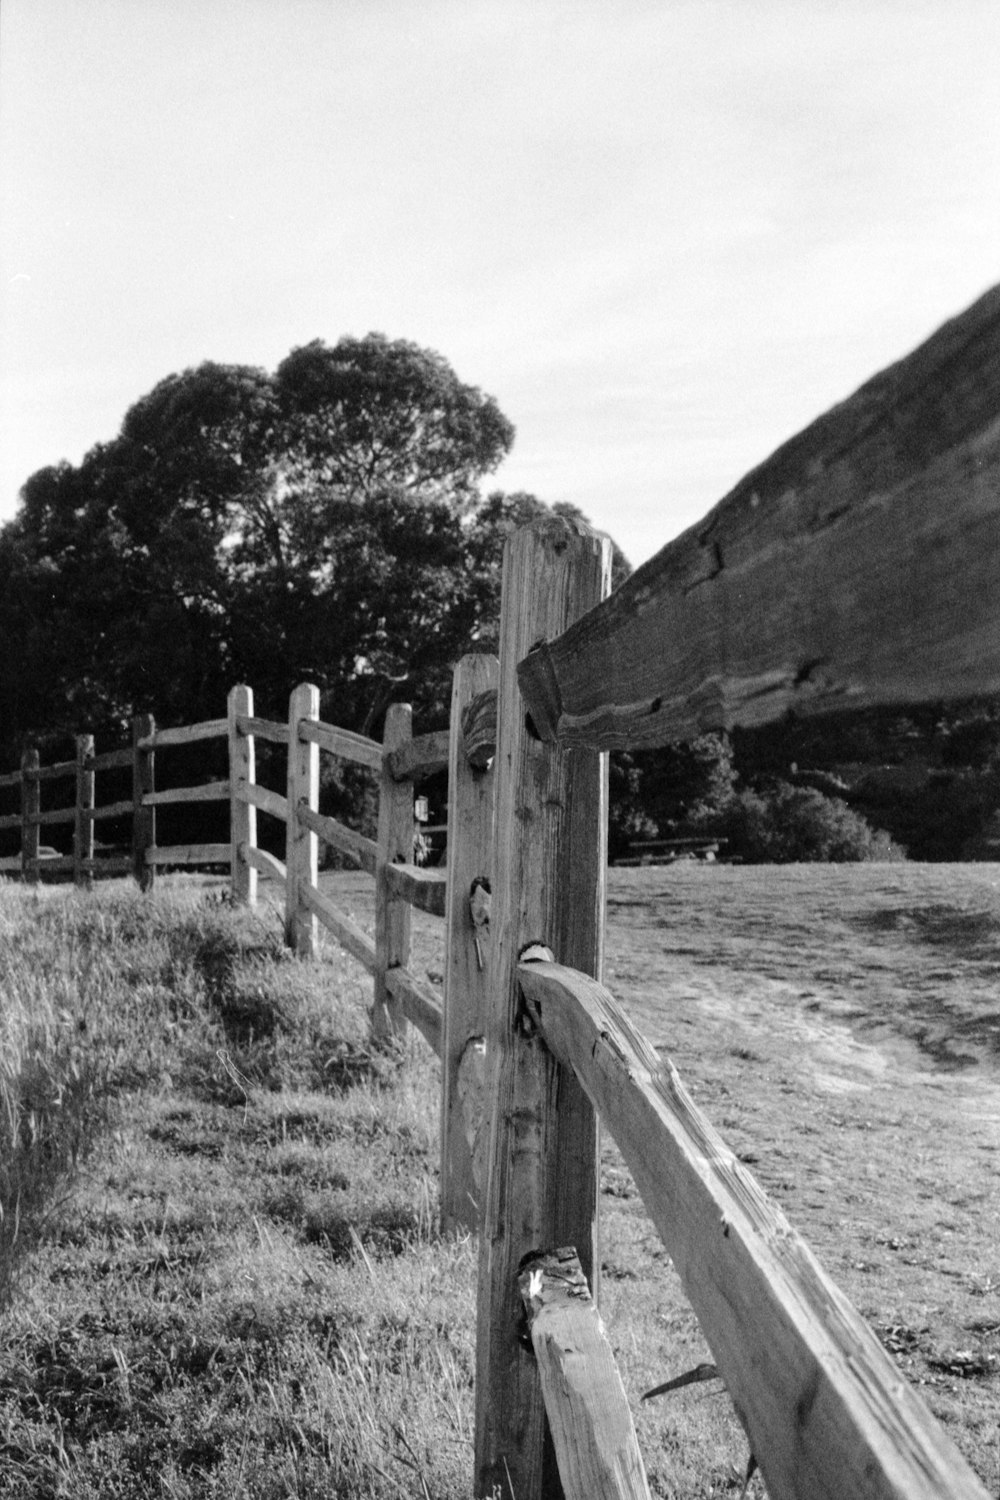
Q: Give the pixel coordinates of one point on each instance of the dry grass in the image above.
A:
(246, 1294)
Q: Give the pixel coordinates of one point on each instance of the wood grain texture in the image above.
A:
(479, 728)
(547, 885)
(83, 826)
(345, 743)
(827, 1413)
(395, 846)
(31, 806)
(263, 863)
(208, 791)
(347, 932)
(857, 566)
(123, 809)
(424, 756)
(420, 1003)
(301, 845)
(362, 849)
(184, 734)
(54, 815)
(242, 753)
(466, 976)
(592, 1428)
(108, 866)
(262, 729)
(261, 797)
(143, 815)
(187, 854)
(424, 888)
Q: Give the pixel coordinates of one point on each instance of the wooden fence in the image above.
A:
(454, 1024)
(815, 585)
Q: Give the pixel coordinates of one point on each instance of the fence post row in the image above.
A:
(519, 1133)
(549, 875)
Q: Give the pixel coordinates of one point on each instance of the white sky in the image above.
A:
(664, 235)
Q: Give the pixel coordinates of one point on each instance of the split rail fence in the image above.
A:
(809, 608)
(534, 1049)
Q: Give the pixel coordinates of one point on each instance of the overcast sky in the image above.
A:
(663, 235)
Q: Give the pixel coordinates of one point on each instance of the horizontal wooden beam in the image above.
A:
(827, 1412)
(55, 815)
(123, 809)
(109, 760)
(55, 772)
(262, 729)
(263, 798)
(209, 791)
(593, 1434)
(51, 864)
(339, 836)
(185, 734)
(423, 888)
(189, 854)
(10, 820)
(419, 758)
(347, 932)
(108, 866)
(421, 1004)
(343, 742)
(267, 864)
(14, 778)
(856, 567)
(10, 863)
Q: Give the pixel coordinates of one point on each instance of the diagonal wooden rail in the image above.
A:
(827, 1412)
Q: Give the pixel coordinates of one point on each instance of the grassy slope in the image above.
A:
(246, 1294)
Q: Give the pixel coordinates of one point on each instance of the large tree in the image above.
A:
(323, 523)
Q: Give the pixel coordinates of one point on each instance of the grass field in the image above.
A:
(245, 1293)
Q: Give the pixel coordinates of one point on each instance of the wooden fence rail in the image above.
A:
(532, 1052)
(789, 595)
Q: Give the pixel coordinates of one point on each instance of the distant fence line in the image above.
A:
(534, 1049)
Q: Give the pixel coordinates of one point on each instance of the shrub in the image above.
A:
(788, 824)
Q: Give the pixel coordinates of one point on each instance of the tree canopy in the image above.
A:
(324, 522)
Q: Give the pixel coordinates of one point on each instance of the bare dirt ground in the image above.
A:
(840, 1026)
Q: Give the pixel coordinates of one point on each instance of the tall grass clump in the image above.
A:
(49, 1076)
(92, 988)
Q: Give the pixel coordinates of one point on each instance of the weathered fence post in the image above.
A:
(242, 816)
(301, 845)
(466, 993)
(396, 829)
(143, 817)
(31, 806)
(83, 822)
(548, 887)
